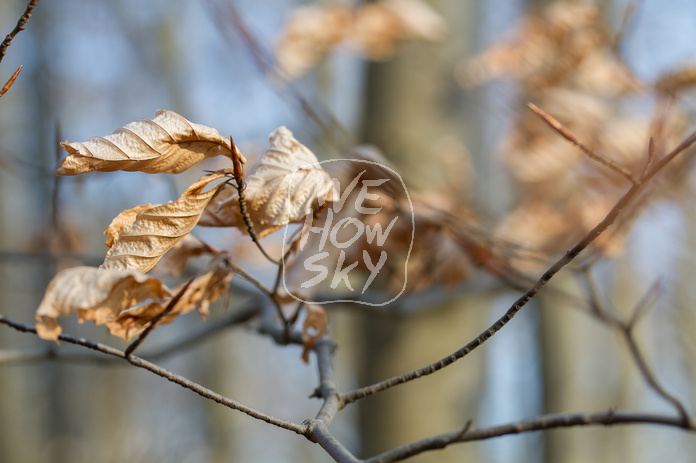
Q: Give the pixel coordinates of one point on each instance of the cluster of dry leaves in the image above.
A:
(285, 186)
(372, 29)
(565, 62)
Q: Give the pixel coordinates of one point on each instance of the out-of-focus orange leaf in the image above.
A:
(167, 144)
(95, 294)
(313, 328)
(139, 243)
(10, 81)
(286, 185)
(373, 29)
(309, 35)
(380, 27)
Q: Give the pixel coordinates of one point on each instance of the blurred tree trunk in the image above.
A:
(411, 105)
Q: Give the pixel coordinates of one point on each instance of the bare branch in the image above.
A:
(153, 323)
(318, 432)
(19, 27)
(239, 271)
(539, 423)
(173, 377)
(568, 257)
(232, 25)
(626, 330)
(651, 379)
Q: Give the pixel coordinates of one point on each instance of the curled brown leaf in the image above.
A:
(167, 144)
(140, 243)
(95, 294)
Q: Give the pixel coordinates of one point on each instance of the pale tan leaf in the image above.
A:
(223, 209)
(207, 287)
(372, 29)
(123, 221)
(204, 289)
(167, 144)
(94, 294)
(132, 321)
(286, 185)
(156, 230)
(313, 328)
(379, 27)
(309, 35)
(419, 19)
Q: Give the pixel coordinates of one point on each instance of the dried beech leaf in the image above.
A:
(286, 185)
(372, 29)
(309, 35)
(313, 328)
(167, 144)
(132, 321)
(175, 260)
(139, 245)
(223, 209)
(207, 287)
(94, 294)
(122, 221)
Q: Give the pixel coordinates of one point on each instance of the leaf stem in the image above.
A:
(238, 164)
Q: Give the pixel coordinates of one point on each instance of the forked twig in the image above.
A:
(592, 154)
(626, 331)
(568, 257)
(540, 423)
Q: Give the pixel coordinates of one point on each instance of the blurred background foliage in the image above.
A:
(446, 104)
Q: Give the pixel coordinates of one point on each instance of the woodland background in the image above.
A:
(90, 67)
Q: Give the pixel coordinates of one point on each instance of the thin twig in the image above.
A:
(650, 377)
(36, 355)
(153, 323)
(592, 154)
(652, 155)
(239, 271)
(238, 162)
(568, 257)
(232, 25)
(544, 422)
(629, 14)
(173, 377)
(19, 27)
(626, 330)
(644, 304)
(238, 317)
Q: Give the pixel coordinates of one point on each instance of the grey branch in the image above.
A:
(173, 377)
(561, 420)
(567, 258)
